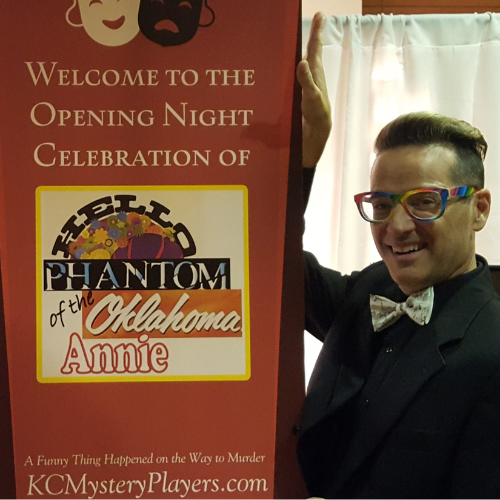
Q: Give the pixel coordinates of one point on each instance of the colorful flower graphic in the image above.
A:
(103, 238)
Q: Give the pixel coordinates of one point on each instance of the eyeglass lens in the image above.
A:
(423, 205)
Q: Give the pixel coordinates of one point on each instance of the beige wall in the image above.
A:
(335, 7)
(428, 6)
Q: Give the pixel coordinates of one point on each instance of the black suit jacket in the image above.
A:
(433, 428)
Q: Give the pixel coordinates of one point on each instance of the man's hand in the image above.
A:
(316, 112)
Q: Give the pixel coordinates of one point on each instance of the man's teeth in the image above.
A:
(405, 249)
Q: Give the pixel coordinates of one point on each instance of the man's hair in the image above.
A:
(425, 128)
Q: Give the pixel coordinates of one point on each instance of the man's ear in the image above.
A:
(482, 209)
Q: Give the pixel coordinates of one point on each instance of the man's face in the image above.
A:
(169, 22)
(420, 254)
(110, 22)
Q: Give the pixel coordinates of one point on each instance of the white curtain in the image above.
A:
(377, 68)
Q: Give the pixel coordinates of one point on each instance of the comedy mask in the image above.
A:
(108, 22)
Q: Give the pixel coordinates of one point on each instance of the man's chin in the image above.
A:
(410, 280)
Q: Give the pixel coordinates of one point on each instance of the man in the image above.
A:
(404, 401)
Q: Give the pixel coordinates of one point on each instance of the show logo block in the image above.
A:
(142, 284)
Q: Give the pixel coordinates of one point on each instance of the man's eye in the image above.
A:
(186, 4)
(92, 2)
(424, 202)
(379, 204)
(427, 201)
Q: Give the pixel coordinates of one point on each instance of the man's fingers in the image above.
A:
(314, 52)
(315, 43)
(305, 77)
(316, 114)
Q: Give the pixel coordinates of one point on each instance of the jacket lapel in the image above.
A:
(344, 361)
(341, 368)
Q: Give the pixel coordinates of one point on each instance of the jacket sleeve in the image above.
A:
(325, 289)
(325, 292)
(307, 180)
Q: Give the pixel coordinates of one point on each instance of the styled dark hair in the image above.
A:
(424, 127)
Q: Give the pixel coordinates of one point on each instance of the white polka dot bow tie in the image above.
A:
(417, 306)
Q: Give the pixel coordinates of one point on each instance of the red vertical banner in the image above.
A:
(144, 151)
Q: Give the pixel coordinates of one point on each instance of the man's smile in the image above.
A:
(406, 248)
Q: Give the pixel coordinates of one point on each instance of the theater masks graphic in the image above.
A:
(108, 22)
(172, 22)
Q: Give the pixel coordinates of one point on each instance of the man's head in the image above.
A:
(427, 150)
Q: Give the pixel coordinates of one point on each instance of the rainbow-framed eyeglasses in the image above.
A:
(424, 204)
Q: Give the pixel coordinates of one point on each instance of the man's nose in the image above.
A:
(400, 222)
